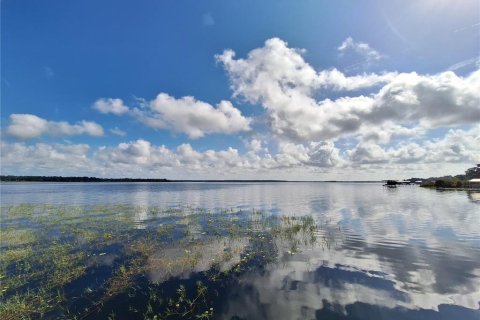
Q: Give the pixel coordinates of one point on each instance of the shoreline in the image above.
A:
(193, 181)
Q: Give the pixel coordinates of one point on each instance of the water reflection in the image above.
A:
(408, 253)
(474, 196)
(381, 279)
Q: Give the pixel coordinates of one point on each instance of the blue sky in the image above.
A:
(315, 89)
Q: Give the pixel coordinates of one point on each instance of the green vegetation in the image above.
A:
(78, 262)
(451, 182)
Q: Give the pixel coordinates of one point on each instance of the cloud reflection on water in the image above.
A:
(408, 254)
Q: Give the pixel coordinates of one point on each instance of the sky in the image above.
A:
(240, 89)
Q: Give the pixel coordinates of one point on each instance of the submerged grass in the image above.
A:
(83, 262)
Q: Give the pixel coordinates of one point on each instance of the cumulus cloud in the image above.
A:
(376, 120)
(27, 126)
(383, 133)
(186, 115)
(314, 154)
(109, 105)
(42, 157)
(433, 101)
(134, 158)
(368, 153)
(276, 68)
(278, 78)
(254, 145)
(141, 152)
(324, 154)
(457, 146)
(192, 117)
(361, 48)
(137, 153)
(139, 156)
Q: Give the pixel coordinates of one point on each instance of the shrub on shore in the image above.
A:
(452, 183)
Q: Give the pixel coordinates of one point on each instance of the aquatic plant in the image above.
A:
(76, 262)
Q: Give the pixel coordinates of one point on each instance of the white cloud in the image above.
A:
(336, 80)
(289, 156)
(278, 78)
(137, 153)
(118, 132)
(457, 146)
(454, 152)
(109, 105)
(254, 145)
(27, 126)
(192, 117)
(324, 154)
(186, 115)
(382, 133)
(54, 159)
(382, 121)
(317, 154)
(432, 101)
(368, 153)
(361, 48)
(276, 68)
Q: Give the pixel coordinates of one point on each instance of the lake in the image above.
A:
(280, 250)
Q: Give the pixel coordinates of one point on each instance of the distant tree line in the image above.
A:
(10, 178)
(75, 179)
(445, 182)
(452, 182)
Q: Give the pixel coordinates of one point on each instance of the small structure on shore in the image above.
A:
(390, 183)
(474, 183)
(395, 183)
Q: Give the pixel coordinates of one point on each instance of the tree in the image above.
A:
(473, 173)
(440, 184)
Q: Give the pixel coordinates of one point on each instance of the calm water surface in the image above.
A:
(405, 253)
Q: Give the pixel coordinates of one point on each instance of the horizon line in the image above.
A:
(39, 178)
